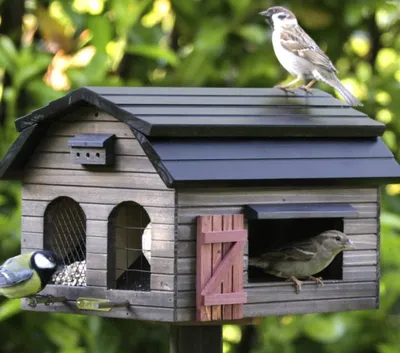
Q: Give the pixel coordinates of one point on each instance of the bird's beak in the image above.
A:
(349, 245)
(267, 15)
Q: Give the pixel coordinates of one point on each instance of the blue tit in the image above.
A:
(303, 258)
(27, 274)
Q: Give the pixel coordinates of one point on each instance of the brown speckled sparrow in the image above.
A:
(300, 55)
(304, 258)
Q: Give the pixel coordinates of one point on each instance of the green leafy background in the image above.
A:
(50, 47)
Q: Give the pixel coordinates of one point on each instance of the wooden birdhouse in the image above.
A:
(156, 199)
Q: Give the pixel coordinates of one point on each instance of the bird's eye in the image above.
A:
(338, 238)
(281, 17)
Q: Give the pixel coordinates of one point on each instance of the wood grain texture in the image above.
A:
(159, 215)
(63, 161)
(360, 273)
(241, 196)
(99, 195)
(294, 307)
(32, 240)
(65, 128)
(216, 257)
(89, 178)
(151, 299)
(227, 224)
(162, 282)
(204, 270)
(145, 313)
(281, 292)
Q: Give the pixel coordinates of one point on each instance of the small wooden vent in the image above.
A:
(220, 248)
(93, 149)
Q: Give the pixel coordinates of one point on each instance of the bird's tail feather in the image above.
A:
(349, 98)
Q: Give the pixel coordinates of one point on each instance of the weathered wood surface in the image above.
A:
(196, 339)
(66, 128)
(281, 292)
(134, 312)
(102, 178)
(294, 307)
(159, 198)
(63, 161)
(161, 215)
(241, 196)
(152, 299)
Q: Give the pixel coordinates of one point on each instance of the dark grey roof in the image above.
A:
(200, 162)
(231, 136)
(217, 112)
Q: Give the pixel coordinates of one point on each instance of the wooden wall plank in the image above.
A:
(151, 299)
(128, 146)
(294, 307)
(162, 248)
(32, 240)
(96, 261)
(63, 161)
(106, 179)
(134, 313)
(359, 258)
(280, 292)
(61, 128)
(99, 195)
(227, 282)
(96, 278)
(96, 245)
(359, 273)
(159, 215)
(203, 269)
(162, 282)
(242, 196)
(216, 257)
(162, 265)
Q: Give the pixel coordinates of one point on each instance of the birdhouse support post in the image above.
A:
(196, 339)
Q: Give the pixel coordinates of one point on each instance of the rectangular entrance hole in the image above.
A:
(267, 234)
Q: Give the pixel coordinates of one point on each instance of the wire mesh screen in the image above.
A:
(129, 262)
(65, 234)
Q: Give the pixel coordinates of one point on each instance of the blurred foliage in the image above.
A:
(61, 45)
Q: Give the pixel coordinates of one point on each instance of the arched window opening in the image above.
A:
(65, 234)
(128, 255)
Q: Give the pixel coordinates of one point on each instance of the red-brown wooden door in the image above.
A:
(220, 249)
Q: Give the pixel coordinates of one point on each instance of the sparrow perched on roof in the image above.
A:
(304, 258)
(300, 55)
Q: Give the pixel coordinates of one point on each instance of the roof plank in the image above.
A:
(200, 149)
(202, 91)
(284, 170)
(154, 100)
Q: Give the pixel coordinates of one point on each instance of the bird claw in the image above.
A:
(285, 88)
(317, 280)
(307, 89)
(297, 283)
